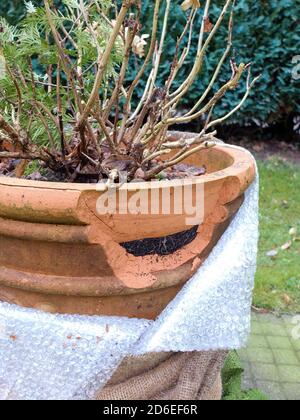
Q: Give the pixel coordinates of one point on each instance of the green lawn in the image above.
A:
(278, 277)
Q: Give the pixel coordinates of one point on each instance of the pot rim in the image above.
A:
(239, 163)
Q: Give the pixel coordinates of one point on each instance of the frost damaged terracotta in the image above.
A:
(58, 255)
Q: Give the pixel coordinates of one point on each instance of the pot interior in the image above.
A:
(213, 159)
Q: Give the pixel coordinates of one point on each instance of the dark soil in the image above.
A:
(161, 246)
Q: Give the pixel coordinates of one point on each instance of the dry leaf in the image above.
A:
(139, 173)
(258, 147)
(182, 170)
(187, 4)
(139, 44)
(208, 25)
(260, 310)
(286, 246)
(293, 231)
(272, 254)
(190, 170)
(287, 299)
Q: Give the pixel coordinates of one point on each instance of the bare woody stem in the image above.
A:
(181, 91)
(232, 84)
(116, 92)
(249, 86)
(60, 113)
(181, 156)
(20, 155)
(142, 70)
(160, 49)
(9, 130)
(37, 107)
(18, 90)
(179, 61)
(149, 54)
(63, 57)
(218, 68)
(103, 64)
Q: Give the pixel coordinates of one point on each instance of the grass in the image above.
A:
(278, 278)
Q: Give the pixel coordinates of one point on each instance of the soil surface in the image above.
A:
(36, 172)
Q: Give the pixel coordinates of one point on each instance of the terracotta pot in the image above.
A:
(58, 254)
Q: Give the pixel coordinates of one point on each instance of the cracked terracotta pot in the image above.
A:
(58, 254)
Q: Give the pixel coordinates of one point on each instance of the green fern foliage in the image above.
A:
(29, 57)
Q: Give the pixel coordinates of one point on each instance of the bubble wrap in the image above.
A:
(53, 357)
(44, 356)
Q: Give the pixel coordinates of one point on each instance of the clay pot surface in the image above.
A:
(58, 254)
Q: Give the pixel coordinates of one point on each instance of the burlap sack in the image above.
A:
(167, 376)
